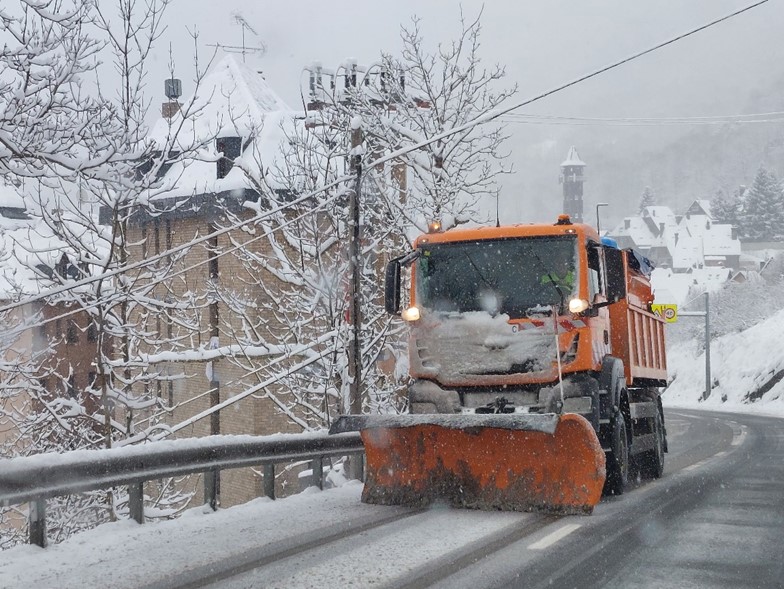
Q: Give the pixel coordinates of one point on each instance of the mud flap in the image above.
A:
(516, 462)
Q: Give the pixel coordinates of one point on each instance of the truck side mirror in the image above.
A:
(616, 274)
(392, 288)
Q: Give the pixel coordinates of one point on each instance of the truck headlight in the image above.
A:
(577, 305)
(410, 314)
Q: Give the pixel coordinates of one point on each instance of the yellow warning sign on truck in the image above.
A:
(668, 312)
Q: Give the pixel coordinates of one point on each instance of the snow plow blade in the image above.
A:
(515, 462)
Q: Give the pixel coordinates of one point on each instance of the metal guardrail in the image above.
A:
(34, 479)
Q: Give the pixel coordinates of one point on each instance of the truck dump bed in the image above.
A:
(637, 335)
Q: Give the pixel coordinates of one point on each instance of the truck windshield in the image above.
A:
(511, 276)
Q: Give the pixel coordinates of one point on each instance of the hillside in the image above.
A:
(681, 167)
(747, 369)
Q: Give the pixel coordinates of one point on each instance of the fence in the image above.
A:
(34, 479)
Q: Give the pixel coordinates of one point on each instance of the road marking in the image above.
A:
(724, 453)
(557, 535)
(738, 440)
(693, 466)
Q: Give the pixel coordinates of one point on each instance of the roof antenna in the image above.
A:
(260, 49)
(497, 215)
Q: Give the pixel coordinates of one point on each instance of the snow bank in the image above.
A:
(747, 369)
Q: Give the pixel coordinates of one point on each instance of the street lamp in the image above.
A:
(598, 225)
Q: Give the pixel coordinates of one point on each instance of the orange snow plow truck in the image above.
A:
(535, 362)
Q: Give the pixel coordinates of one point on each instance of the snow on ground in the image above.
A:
(125, 554)
(741, 365)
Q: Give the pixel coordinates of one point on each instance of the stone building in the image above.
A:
(198, 351)
(51, 345)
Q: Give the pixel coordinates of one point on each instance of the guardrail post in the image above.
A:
(355, 467)
(37, 522)
(211, 478)
(136, 502)
(317, 464)
(268, 480)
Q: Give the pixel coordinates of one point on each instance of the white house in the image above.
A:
(689, 250)
(681, 242)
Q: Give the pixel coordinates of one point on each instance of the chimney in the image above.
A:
(173, 89)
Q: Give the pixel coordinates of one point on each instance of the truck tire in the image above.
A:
(617, 459)
(652, 462)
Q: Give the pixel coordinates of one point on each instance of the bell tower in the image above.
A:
(572, 178)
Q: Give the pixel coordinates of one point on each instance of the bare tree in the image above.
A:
(89, 164)
(301, 306)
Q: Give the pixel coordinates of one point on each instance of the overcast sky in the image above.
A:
(542, 43)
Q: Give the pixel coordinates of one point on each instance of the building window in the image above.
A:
(72, 334)
(41, 339)
(212, 253)
(92, 332)
(230, 148)
(72, 386)
(169, 237)
(157, 236)
(143, 169)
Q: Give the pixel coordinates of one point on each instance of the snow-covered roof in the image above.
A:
(635, 229)
(9, 196)
(720, 241)
(232, 101)
(26, 244)
(700, 207)
(687, 253)
(572, 159)
(659, 216)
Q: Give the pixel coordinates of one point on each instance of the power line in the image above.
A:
(640, 124)
(684, 118)
(492, 115)
(770, 117)
(180, 248)
(84, 306)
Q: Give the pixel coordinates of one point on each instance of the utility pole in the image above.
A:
(355, 466)
(355, 348)
(212, 477)
(708, 380)
(706, 314)
(598, 224)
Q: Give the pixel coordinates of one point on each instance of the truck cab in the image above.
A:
(533, 319)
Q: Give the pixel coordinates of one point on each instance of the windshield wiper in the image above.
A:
(478, 271)
(557, 288)
(548, 275)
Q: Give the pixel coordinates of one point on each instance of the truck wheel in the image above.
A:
(652, 462)
(617, 459)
